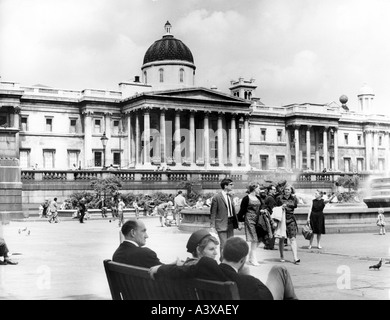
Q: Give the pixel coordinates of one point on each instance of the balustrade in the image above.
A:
(151, 176)
(184, 175)
(209, 177)
(53, 175)
(177, 176)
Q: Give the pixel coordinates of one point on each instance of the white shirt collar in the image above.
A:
(131, 241)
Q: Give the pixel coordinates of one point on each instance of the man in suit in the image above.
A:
(131, 250)
(234, 257)
(223, 214)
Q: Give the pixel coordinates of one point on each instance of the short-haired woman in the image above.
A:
(316, 216)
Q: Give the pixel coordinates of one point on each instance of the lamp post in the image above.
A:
(104, 140)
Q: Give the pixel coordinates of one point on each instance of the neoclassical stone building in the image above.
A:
(163, 118)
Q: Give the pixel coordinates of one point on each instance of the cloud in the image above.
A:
(298, 51)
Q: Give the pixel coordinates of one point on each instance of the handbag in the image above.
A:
(307, 232)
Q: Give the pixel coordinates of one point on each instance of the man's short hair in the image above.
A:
(179, 192)
(235, 249)
(225, 182)
(128, 226)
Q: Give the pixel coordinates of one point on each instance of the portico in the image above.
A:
(187, 137)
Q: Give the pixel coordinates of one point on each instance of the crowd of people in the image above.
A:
(202, 246)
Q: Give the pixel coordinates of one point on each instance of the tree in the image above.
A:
(189, 185)
(107, 187)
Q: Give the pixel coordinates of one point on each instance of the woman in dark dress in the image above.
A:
(316, 216)
(289, 202)
(249, 214)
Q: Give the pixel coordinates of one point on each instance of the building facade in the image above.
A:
(163, 119)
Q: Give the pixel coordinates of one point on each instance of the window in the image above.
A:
(145, 77)
(263, 134)
(263, 162)
(347, 164)
(279, 135)
(280, 161)
(97, 126)
(381, 164)
(181, 75)
(380, 140)
(161, 72)
(48, 159)
(24, 123)
(359, 139)
(24, 158)
(117, 158)
(73, 158)
(359, 164)
(115, 129)
(332, 138)
(98, 156)
(4, 119)
(73, 127)
(346, 139)
(49, 124)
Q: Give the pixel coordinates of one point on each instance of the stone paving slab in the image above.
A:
(65, 261)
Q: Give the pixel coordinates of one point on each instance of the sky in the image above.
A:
(298, 51)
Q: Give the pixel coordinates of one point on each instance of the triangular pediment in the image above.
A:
(198, 93)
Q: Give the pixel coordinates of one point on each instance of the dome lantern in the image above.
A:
(168, 27)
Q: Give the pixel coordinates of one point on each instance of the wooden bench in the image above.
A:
(134, 283)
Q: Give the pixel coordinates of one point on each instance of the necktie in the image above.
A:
(230, 214)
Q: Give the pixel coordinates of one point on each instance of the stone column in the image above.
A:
(147, 136)
(317, 149)
(16, 125)
(206, 139)
(336, 149)
(376, 150)
(137, 140)
(192, 137)
(88, 159)
(288, 151)
(220, 140)
(246, 141)
(177, 138)
(163, 141)
(308, 148)
(233, 141)
(325, 141)
(387, 151)
(129, 139)
(367, 135)
(296, 140)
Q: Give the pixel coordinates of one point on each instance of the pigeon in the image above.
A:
(376, 266)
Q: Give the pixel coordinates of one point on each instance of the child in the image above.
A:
(169, 219)
(380, 221)
(136, 207)
(199, 203)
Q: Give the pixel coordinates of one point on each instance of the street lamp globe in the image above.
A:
(104, 139)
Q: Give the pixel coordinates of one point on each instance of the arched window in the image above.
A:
(181, 75)
(161, 71)
(145, 77)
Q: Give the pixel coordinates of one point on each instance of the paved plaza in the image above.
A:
(65, 261)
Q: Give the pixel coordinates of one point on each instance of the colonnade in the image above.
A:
(196, 146)
(372, 146)
(319, 152)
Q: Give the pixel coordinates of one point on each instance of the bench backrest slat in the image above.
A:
(134, 283)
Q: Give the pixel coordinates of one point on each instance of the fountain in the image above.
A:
(380, 193)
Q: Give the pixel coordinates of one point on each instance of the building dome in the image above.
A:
(168, 48)
(365, 89)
